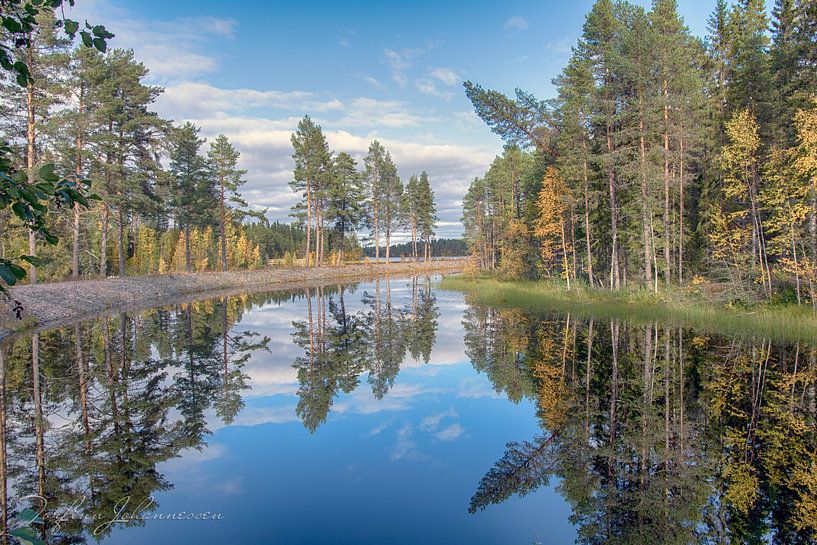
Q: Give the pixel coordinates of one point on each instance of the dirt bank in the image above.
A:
(58, 303)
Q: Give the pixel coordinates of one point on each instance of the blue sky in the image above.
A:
(363, 70)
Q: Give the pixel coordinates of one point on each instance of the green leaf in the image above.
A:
(100, 44)
(29, 515)
(34, 260)
(7, 274)
(12, 25)
(22, 211)
(86, 38)
(47, 173)
(18, 271)
(27, 536)
(71, 27)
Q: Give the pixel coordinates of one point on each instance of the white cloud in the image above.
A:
(193, 99)
(398, 64)
(171, 49)
(517, 22)
(367, 112)
(260, 123)
(401, 61)
(445, 75)
(427, 87)
(374, 82)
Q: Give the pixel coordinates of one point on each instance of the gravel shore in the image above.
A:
(58, 303)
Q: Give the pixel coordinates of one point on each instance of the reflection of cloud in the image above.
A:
(430, 423)
(476, 387)
(450, 433)
(190, 456)
(399, 398)
(231, 487)
(406, 447)
(379, 428)
(266, 415)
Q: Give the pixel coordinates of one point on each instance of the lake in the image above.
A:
(391, 412)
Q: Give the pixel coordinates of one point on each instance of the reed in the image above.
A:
(782, 323)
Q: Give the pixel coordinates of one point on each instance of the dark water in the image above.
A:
(391, 413)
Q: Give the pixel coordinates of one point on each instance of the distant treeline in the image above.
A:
(440, 247)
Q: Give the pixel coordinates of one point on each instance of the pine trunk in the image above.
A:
(188, 265)
(78, 173)
(667, 256)
(376, 235)
(646, 209)
(31, 149)
(122, 239)
(414, 241)
(615, 272)
(308, 223)
(681, 215)
(103, 242)
(222, 224)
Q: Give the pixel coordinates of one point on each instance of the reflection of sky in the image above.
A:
(397, 470)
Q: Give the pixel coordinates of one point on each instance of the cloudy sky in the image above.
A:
(363, 70)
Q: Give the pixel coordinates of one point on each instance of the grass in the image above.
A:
(781, 323)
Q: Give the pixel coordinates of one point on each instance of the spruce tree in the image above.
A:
(193, 186)
(345, 211)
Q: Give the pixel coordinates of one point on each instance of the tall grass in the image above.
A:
(782, 323)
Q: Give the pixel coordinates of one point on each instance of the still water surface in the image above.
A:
(391, 412)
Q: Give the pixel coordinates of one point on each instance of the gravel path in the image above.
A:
(58, 303)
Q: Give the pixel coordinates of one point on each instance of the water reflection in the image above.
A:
(340, 345)
(655, 434)
(88, 412)
(649, 434)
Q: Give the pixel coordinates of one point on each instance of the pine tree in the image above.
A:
(125, 143)
(411, 210)
(45, 56)
(224, 160)
(375, 166)
(312, 167)
(427, 217)
(73, 126)
(391, 200)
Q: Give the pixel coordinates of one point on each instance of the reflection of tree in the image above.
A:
(335, 346)
(656, 435)
(339, 345)
(524, 467)
(388, 339)
(496, 341)
(421, 320)
(87, 412)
